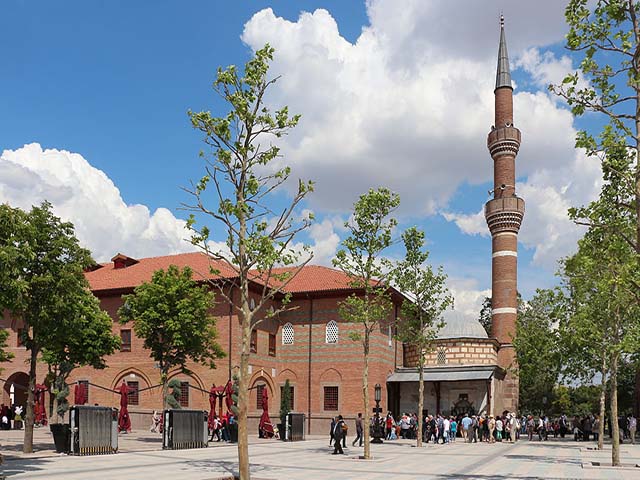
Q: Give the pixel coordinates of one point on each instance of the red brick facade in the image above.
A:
(309, 362)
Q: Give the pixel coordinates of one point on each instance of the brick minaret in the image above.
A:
(504, 215)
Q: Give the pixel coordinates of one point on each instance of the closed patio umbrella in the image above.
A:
(265, 426)
(124, 422)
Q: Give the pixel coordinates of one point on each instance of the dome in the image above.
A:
(459, 326)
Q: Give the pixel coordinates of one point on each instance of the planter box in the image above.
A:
(61, 437)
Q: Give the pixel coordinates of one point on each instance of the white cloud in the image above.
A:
(548, 194)
(418, 124)
(467, 296)
(84, 195)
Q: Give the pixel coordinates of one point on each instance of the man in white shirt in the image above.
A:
(447, 425)
(632, 424)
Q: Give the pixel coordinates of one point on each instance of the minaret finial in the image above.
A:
(503, 74)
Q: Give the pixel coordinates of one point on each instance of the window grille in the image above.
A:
(259, 390)
(331, 398)
(125, 338)
(85, 384)
(332, 332)
(133, 398)
(272, 344)
(442, 356)
(254, 342)
(184, 394)
(287, 334)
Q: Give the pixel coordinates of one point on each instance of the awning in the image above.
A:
(442, 374)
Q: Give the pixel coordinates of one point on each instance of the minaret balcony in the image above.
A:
(504, 141)
(504, 214)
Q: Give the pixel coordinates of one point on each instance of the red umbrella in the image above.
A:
(212, 403)
(124, 422)
(80, 394)
(39, 410)
(265, 426)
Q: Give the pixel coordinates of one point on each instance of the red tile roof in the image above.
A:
(311, 278)
(109, 278)
(315, 278)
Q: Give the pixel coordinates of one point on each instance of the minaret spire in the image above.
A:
(503, 74)
(504, 214)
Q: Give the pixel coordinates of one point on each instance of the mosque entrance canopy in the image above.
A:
(444, 374)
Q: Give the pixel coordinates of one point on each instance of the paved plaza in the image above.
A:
(141, 458)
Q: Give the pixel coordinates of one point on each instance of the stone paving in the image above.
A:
(140, 458)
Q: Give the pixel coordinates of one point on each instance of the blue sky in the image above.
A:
(389, 91)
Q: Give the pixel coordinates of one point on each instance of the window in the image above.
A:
(442, 356)
(254, 341)
(291, 395)
(184, 394)
(332, 332)
(85, 384)
(125, 339)
(19, 338)
(331, 398)
(272, 344)
(259, 390)
(133, 393)
(287, 334)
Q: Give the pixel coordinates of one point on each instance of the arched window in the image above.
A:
(332, 332)
(287, 334)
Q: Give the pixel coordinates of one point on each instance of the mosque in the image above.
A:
(467, 371)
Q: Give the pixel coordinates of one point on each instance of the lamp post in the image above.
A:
(377, 432)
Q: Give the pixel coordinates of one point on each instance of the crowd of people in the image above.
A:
(507, 427)
(11, 417)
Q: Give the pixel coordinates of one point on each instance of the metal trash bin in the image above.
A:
(294, 429)
(92, 430)
(184, 429)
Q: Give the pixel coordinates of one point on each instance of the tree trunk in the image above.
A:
(420, 395)
(615, 431)
(365, 397)
(603, 389)
(243, 388)
(29, 418)
(165, 389)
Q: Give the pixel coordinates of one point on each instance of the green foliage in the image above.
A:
(485, 318)
(427, 292)
(360, 257)
(172, 398)
(42, 274)
(538, 350)
(4, 355)
(285, 401)
(171, 314)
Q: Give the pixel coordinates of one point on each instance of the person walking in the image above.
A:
(492, 427)
(454, 429)
(446, 430)
(466, 427)
(332, 430)
(632, 423)
(358, 431)
(499, 427)
(338, 433)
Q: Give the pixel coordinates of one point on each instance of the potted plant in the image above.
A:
(285, 408)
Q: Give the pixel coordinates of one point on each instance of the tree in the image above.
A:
(537, 350)
(422, 311)
(285, 405)
(607, 33)
(485, 315)
(4, 355)
(171, 314)
(82, 336)
(42, 273)
(360, 257)
(605, 309)
(246, 178)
